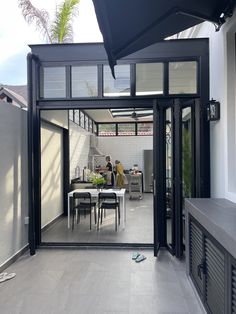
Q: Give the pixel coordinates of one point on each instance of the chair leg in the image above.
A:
(73, 217)
(119, 213)
(95, 214)
(101, 215)
(90, 218)
(116, 219)
(98, 218)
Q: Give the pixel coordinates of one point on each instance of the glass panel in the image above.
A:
(90, 125)
(149, 79)
(84, 81)
(71, 115)
(54, 82)
(183, 77)
(107, 130)
(86, 122)
(95, 129)
(119, 86)
(81, 120)
(76, 116)
(126, 129)
(169, 162)
(145, 128)
(186, 158)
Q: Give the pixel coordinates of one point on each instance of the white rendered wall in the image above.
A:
(58, 117)
(13, 180)
(222, 88)
(51, 173)
(79, 148)
(127, 149)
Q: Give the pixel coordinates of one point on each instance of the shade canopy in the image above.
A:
(130, 25)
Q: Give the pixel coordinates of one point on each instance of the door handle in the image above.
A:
(154, 187)
(201, 268)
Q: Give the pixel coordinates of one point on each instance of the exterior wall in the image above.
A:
(13, 180)
(222, 88)
(51, 173)
(127, 149)
(79, 148)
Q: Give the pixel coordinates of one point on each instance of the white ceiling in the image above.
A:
(104, 115)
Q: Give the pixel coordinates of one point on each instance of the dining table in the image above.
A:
(120, 193)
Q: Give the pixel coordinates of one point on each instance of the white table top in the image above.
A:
(94, 192)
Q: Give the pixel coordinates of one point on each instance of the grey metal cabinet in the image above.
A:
(209, 270)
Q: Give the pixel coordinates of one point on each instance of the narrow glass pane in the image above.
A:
(125, 129)
(149, 79)
(107, 130)
(145, 128)
(71, 115)
(81, 120)
(76, 116)
(84, 81)
(186, 158)
(183, 77)
(54, 82)
(86, 122)
(169, 162)
(119, 86)
(90, 125)
(95, 129)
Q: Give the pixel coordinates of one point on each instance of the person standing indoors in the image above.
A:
(119, 174)
(109, 171)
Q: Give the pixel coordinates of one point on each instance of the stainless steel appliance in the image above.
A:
(148, 170)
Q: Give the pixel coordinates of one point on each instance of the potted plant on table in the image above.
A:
(98, 180)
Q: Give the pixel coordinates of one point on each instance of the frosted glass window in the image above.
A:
(119, 86)
(183, 77)
(84, 81)
(149, 79)
(54, 82)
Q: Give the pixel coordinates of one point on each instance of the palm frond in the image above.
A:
(61, 30)
(33, 15)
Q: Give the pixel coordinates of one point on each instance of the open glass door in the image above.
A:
(169, 188)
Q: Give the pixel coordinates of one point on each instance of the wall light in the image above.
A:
(213, 110)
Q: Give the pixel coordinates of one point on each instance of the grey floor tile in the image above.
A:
(97, 282)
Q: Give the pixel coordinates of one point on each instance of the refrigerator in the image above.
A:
(148, 170)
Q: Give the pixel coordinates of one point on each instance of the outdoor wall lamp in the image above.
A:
(213, 110)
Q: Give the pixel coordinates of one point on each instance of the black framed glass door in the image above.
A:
(175, 175)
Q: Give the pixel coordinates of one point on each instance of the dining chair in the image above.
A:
(82, 201)
(108, 201)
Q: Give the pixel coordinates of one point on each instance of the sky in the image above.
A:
(16, 35)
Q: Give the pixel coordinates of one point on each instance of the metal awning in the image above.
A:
(130, 25)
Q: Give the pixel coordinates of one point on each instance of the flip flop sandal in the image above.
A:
(140, 258)
(7, 277)
(135, 255)
(2, 275)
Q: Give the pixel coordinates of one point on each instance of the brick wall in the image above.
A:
(127, 149)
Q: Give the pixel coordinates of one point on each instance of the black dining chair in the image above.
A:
(108, 201)
(82, 201)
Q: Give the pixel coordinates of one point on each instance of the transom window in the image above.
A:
(119, 86)
(149, 79)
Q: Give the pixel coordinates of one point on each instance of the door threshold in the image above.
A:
(65, 245)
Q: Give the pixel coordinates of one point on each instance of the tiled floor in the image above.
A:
(139, 226)
(96, 282)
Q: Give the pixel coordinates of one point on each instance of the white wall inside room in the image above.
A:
(127, 149)
(222, 88)
(13, 180)
(51, 173)
(79, 148)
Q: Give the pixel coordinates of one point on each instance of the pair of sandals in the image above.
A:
(6, 276)
(138, 257)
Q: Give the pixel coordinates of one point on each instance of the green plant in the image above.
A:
(98, 180)
(58, 31)
(186, 163)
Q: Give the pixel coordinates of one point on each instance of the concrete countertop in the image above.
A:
(218, 217)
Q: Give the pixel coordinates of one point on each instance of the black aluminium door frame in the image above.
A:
(159, 199)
